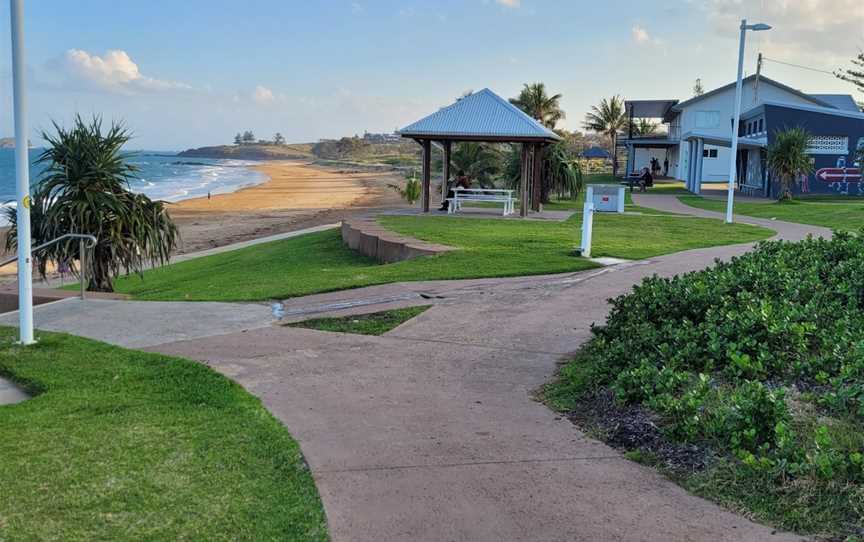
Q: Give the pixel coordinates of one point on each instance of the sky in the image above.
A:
(193, 73)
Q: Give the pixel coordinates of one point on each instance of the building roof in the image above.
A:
(841, 101)
(801, 107)
(651, 109)
(809, 97)
(481, 116)
(595, 152)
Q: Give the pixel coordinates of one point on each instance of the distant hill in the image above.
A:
(300, 151)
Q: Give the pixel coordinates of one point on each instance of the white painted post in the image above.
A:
(587, 227)
(620, 199)
(733, 169)
(22, 176)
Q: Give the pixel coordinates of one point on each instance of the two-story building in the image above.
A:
(697, 137)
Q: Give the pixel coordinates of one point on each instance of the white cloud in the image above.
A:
(509, 3)
(115, 70)
(263, 95)
(822, 33)
(640, 35)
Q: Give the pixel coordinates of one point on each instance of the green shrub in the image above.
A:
(718, 353)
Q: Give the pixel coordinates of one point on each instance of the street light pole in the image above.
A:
(22, 176)
(733, 160)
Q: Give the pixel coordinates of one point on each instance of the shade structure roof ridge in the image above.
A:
(482, 114)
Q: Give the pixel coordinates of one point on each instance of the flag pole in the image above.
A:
(22, 176)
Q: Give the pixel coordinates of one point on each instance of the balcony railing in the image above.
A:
(672, 133)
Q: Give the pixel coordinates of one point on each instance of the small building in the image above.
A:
(697, 138)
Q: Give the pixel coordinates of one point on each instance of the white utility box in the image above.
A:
(606, 198)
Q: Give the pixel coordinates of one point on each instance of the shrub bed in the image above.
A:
(758, 362)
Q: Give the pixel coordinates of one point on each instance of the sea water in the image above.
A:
(161, 175)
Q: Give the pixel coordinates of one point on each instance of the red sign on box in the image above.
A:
(605, 199)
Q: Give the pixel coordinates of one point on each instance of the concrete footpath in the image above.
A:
(431, 432)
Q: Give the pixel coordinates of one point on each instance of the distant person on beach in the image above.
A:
(645, 180)
(462, 181)
(208, 196)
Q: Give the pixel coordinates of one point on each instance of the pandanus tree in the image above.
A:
(608, 118)
(561, 173)
(788, 160)
(84, 188)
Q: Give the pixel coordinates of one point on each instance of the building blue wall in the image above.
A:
(778, 118)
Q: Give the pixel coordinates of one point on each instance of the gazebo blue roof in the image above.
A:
(481, 116)
(595, 152)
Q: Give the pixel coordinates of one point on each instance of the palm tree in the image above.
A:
(481, 162)
(534, 101)
(788, 159)
(562, 173)
(608, 119)
(84, 188)
(644, 127)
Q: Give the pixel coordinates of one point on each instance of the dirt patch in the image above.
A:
(636, 428)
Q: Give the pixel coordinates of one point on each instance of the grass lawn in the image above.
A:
(376, 323)
(828, 212)
(126, 445)
(319, 262)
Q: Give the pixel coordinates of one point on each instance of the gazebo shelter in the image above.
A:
(483, 117)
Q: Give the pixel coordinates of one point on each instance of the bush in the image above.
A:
(760, 358)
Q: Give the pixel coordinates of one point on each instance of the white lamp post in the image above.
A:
(22, 176)
(732, 161)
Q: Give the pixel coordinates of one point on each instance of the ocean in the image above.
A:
(163, 176)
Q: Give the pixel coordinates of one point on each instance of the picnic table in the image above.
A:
(632, 180)
(494, 195)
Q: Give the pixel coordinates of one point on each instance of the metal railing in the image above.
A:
(82, 254)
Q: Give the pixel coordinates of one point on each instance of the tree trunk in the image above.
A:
(614, 155)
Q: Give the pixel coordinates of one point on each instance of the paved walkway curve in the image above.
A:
(430, 432)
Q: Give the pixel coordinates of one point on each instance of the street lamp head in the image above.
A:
(758, 27)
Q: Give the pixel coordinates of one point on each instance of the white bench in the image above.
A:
(493, 195)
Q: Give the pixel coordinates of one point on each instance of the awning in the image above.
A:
(720, 141)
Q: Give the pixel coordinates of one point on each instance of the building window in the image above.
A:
(829, 145)
(709, 153)
(707, 119)
(760, 125)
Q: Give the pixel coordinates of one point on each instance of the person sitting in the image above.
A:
(462, 181)
(645, 180)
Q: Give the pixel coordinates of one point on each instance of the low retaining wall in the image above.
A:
(9, 296)
(368, 237)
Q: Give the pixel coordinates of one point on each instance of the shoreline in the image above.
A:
(296, 194)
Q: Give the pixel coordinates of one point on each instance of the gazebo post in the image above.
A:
(446, 170)
(425, 174)
(536, 176)
(523, 183)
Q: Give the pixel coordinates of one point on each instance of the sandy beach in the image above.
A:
(297, 195)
